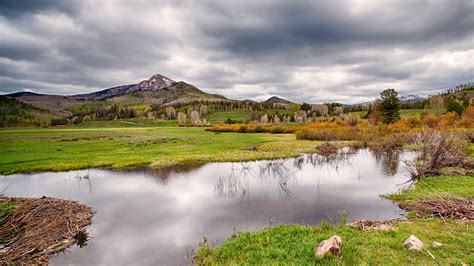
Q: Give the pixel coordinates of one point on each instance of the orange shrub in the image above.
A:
(448, 119)
(467, 119)
(412, 121)
(431, 121)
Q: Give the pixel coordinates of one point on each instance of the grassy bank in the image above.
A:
(433, 187)
(69, 148)
(294, 244)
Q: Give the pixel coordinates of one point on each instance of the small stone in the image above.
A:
(437, 244)
(413, 243)
(331, 246)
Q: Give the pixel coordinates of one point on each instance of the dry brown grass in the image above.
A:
(41, 227)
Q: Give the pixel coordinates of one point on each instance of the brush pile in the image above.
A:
(454, 208)
(41, 227)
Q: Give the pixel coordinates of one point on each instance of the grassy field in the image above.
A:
(238, 115)
(245, 115)
(132, 122)
(410, 112)
(220, 117)
(294, 244)
(31, 150)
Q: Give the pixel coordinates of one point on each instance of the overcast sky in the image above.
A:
(312, 51)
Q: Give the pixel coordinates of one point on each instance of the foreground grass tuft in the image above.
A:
(5, 209)
(294, 244)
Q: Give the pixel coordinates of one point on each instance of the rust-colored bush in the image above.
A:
(448, 120)
(467, 119)
(254, 128)
(412, 121)
(431, 121)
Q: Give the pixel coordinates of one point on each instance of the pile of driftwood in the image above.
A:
(454, 208)
(41, 227)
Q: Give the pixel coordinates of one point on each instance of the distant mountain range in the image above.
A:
(411, 98)
(157, 89)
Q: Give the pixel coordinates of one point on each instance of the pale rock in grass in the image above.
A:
(436, 244)
(331, 246)
(413, 243)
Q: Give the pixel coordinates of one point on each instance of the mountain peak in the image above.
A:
(276, 99)
(155, 82)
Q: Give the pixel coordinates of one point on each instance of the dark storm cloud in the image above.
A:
(15, 8)
(302, 50)
(319, 25)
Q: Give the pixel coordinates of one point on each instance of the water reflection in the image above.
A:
(237, 183)
(390, 161)
(162, 174)
(149, 216)
(84, 178)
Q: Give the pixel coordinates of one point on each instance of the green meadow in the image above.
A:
(59, 149)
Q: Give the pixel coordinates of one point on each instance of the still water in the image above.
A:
(149, 216)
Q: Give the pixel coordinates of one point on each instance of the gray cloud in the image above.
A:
(313, 51)
(16, 8)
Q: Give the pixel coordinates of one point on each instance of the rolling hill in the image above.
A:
(17, 113)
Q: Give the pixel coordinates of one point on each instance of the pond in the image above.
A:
(157, 216)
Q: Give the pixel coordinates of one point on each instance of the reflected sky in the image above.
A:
(148, 216)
